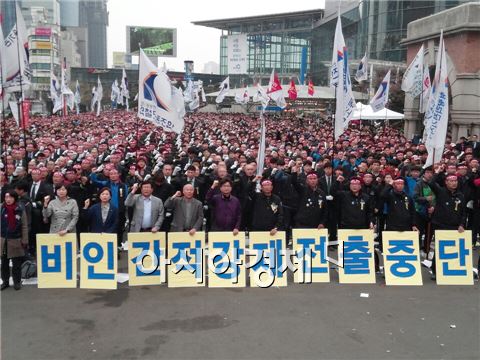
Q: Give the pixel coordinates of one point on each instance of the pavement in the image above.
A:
(313, 321)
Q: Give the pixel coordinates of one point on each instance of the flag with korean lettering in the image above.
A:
(436, 116)
(340, 78)
(156, 97)
(380, 98)
(412, 78)
(16, 68)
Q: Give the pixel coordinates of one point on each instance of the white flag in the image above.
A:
(224, 88)
(412, 78)
(78, 97)
(426, 86)
(67, 94)
(94, 99)
(261, 147)
(261, 96)
(99, 95)
(115, 93)
(14, 109)
(246, 98)
(204, 98)
(340, 75)
(381, 96)
(55, 94)
(124, 89)
(158, 100)
(15, 57)
(436, 116)
(275, 90)
(362, 70)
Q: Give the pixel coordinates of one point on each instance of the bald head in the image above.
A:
(188, 191)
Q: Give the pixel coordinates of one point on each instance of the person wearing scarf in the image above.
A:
(14, 239)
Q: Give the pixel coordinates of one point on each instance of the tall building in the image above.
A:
(274, 42)
(373, 26)
(93, 15)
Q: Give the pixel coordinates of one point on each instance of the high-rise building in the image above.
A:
(93, 16)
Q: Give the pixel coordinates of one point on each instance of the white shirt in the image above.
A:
(147, 213)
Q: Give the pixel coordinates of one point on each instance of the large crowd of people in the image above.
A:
(115, 173)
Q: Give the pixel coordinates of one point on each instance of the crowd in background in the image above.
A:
(116, 173)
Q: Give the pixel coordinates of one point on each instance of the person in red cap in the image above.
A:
(267, 210)
(354, 208)
(312, 208)
(400, 213)
(449, 212)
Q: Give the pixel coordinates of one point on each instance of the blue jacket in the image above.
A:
(94, 219)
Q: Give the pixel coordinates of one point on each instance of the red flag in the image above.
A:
(311, 89)
(292, 91)
(25, 120)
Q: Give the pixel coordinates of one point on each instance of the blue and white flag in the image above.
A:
(158, 101)
(124, 90)
(99, 95)
(224, 89)
(340, 78)
(362, 70)
(436, 116)
(381, 96)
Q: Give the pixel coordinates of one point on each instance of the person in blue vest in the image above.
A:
(119, 192)
(103, 216)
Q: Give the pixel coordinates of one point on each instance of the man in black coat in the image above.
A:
(267, 210)
(312, 209)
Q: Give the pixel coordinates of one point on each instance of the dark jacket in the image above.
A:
(400, 210)
(94, 220)
(354, 212)
(312, 206)
(226, 212)
(267, 213)
(450, 208)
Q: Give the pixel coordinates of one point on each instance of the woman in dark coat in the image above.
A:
(14, 239)
(101, 217)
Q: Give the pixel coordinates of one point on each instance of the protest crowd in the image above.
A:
(117, 174)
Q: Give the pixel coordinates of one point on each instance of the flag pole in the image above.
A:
(138, 118)
(20, 102)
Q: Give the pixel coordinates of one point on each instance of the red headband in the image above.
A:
(266, 181)
(312, 176)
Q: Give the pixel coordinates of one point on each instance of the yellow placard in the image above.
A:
(453, 256)
(267, 259)
(57, 261)
(226, 259)
(146, 258)
(401, 258)
(98, 261)
(311, 249)
(187, 261)
(356, 248)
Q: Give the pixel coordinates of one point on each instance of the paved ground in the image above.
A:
(321, 321)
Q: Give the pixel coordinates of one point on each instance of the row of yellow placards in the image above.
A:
(152, 260)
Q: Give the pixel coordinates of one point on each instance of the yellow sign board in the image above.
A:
(146, 258)
(311, 249)
(356, 252)
(98, 261)
(186, 256)
(453, 256)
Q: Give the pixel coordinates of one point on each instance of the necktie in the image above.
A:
(328, 184)
(34, 189)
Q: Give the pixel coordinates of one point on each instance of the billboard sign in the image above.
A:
(154, 41)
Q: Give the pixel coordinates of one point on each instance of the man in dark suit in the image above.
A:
(187, 211)
(329, 185)
(38, 189)
(192, 177)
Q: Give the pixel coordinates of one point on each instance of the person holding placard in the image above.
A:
(62, 212)
(400, 208)
(103, 216)
(449, 212)
(354, 208)
(148, 211)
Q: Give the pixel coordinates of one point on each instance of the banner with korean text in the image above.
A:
(401, 258)
(453, 256)
(57, 261)
(98, 261)
(146, 258)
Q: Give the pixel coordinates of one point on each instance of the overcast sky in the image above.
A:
(197, 43)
